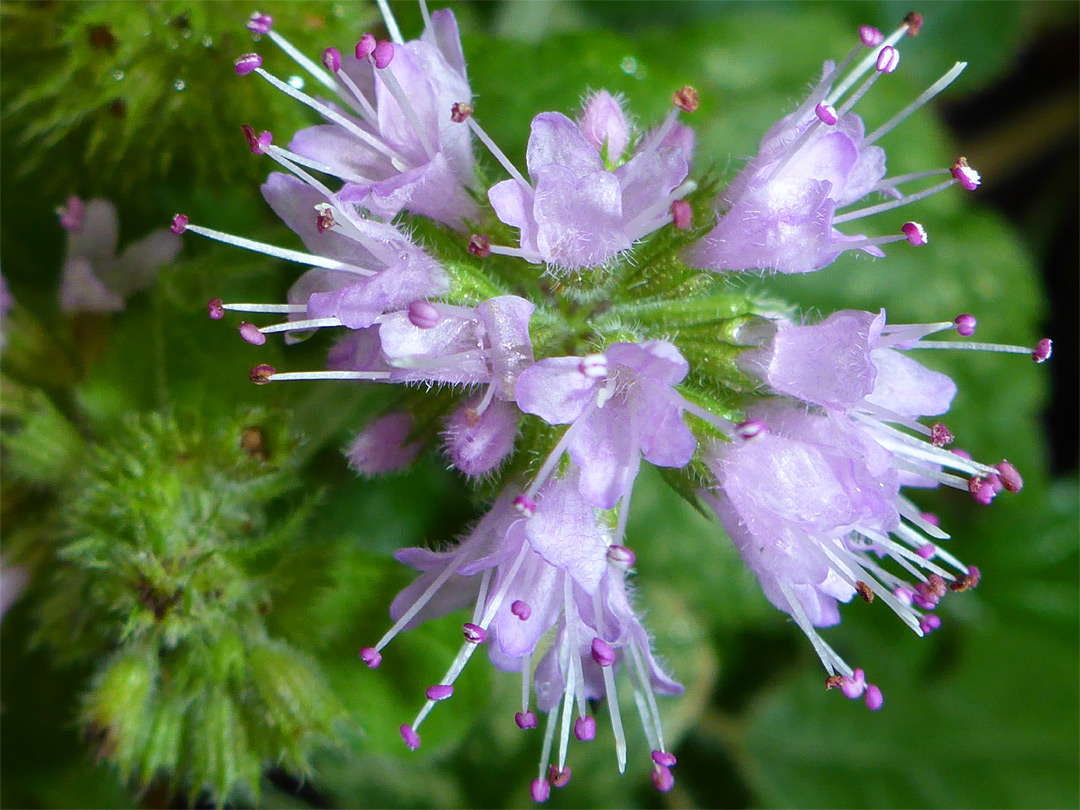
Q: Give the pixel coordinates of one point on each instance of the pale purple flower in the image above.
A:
(479, 441)
(94, 278)
(621, 405)
(855, 364)
(580, 211)
(383, 445)
(526, 577)
(392, 138)
(781, 212)
(813, 504)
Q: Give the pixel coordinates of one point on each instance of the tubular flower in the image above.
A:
(391, 139)
(781, 212)
(94, 278)
(802, 437)
(588, 201)
(526, 576)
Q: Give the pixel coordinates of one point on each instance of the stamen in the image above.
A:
(664, 758)
(602, 652)
(965, 325)
(479, 245)
(301, 326)
(975, 347)
(317, 73)
(391, 23)
(179, 224)
(423, 315)
(540, 790)
(411, 738)
(383, 54)
(525, 720)
(521, 609)
(621, 557)
(594, 366)
(686, 99)
(874, 699)
(888, 206)
(1010, 476)
(330, 113)
(365, 46)
(915, 233)
(250, 332)
(968, 177)
(888, 59)
(891, 182)
(402, 98)
(559, 778)
(440, 691)
(275, 309)
(1043, 349)
(325, 375)
(870, 36)
(682, 215)
(260, 375)
(256, 143)
(371, 657)
(868, 62)
(826, 114)
(914, 21)
(941, 436)
(260, 23)
(331, 59)
(751, 429)
(247, 63)
(585, 729)
(272, 250)
(216, 308)
(497, 153)
(925, 97)
(460, 111)
(662, 779)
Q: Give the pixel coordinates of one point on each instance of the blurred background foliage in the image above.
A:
(203, 566)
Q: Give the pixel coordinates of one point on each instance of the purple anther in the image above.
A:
(540, 790)
(751, 429)
(940, 436)
(934, 586)
(331, 59)
(887, 60)
(479, 245)
(975, 575)
(930, 518)
(460, 111)
(424, 315)
(964, 454)
(854, 686)
(965, 175)
(525, 505)
(662, 779)
(247, 63)
(261, 374)
(440, 691)
(179, 224)
(256, 143)
(981, 490)
(602, 652)
(371, 657)
(525, 720)
(685, 98)
(965, 324)
(826, 113)
(474, 633)
(259, 23)
(903, 595)
(621, 557)
(915, 233)
(216, 309)
(71, 215)
(521, 609)
(365, 46)
(926, 551)
(559, 779)
(1010, 476)
(929, 623)
(585, 728)
(1043, 349)
(870, 37)
(682, 215)
(594, 366)
(411, 738)
(250, 332)
(994, 480)
(913, 21)
(383, 54)
(874, 699)
(665, 759)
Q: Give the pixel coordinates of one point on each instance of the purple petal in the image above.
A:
(909, 388)
(666, 441)
(555, 390)
(555, 140)
(656, 360)
(603, 124)
(443, 34)
(579, 220)
(82, 291)
(383, 446)
(341, 151)
(564, 532)
(507, 320)
(604, 448)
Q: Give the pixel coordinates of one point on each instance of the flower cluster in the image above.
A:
(575, 353)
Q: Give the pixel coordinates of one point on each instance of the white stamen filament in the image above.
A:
(891, 416)
(915, 448)
(300, 326)
(914, 516)
(572, 619)
(864, 88)
(657, 214)
(320, 75)
(972, 347)
(823, 88)
(610, 691)
(274, 309)
(900, 179)
(520, 253)
(328, 375)
(498, 153)
(332, 114)
(277, 252)
(278, 156)
(391, 23)
(723, 425)
(362, 105)
(314, 164)
(526, 679)
(402, 99)
(823, 650)
(549, 736)
(916, 540)
(862, 575)
(556, 454)
(926, 96)
(650, 696)
(874, 242)
(889, 206)
(485, 582)
(568, 702)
